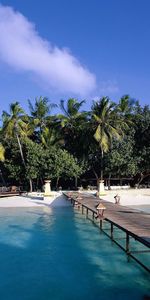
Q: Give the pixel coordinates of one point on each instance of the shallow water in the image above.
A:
(49, 254)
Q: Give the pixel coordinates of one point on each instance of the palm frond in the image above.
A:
(2, 153)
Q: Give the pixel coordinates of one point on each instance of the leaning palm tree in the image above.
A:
(16, 124)
(2, 158)
(107, 125)
(12, 123)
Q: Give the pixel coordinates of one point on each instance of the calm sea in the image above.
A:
(57, 254)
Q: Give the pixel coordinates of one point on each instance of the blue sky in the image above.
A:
(71, 48)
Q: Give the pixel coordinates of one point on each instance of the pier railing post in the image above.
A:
(93, 215)
(87, 212)
(89, 209)
(82, 209)
(101, 224)
(112, 231)
(127, 242)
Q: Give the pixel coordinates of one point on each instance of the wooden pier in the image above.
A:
(134, 224)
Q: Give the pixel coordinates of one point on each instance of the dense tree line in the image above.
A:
(110, 140)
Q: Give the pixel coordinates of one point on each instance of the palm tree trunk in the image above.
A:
(57, 181)
(23, 160)
(1, 175)
(20, 148)
(97, 179)
(102, 156)
(31, 185)
(42, 184)
(109, 181)
(76, 182)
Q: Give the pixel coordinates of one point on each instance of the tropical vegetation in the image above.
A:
(72, 146)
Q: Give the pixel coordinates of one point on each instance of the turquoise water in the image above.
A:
(58, 254)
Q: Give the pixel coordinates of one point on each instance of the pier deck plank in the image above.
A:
(131, 220)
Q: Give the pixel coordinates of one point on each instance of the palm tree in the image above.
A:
(12, 123)
(40, 112)
(107, 125)
(15, 125)
(2, 153)
(125, 105)
(2, 158)
(51, 136)
(72, 112)
(26, 128)
(72, 123)
(125, 109)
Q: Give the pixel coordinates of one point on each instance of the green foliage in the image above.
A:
(121, 160)
(142, 139)
(60, 163)
(73, 123)
(50, 163)
(12, 120)
(34, 160)
(66, 165)
(107, 123)
(111, 138)
(13, 163)
(2, 153)
(40, 112)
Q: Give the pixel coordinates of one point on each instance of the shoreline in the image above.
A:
(31, 201)
(132, 197)
(20, 201)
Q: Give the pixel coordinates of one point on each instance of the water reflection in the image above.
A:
(110, 261)
(17, 224)
(58, 254)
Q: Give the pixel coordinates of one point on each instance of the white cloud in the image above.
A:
(22, 48)
(108, 87)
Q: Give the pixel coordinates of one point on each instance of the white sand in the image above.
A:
(129, 197)
(28, 201)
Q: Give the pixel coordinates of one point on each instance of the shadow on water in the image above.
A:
(58, 254)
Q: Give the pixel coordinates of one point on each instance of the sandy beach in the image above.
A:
(127, 197)
(29, 201)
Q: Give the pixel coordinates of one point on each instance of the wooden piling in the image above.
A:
(127, 242)
(112, 231)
